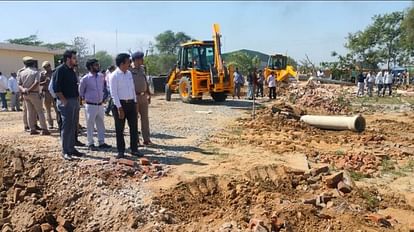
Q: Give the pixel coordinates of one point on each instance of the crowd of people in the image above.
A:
(255, 84)
(382, 80)
(123, 89)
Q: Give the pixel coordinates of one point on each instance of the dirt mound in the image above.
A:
(41, 192)
(274, 197)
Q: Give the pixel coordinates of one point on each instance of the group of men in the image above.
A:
(126, 88)
(255, 81)
(383, 80)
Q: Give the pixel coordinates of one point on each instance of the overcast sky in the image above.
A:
(298, 28)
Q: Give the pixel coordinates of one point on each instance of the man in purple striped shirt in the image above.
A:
(91, 90)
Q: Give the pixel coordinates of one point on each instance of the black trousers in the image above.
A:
(259, 90)
(272, 92)
(130, 111)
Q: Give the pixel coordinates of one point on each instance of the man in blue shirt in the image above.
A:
(91, 90)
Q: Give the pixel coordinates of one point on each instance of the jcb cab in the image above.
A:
(200, 70)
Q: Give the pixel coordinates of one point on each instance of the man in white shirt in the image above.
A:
(15, 93)
(123, 94)
(370, 83)
(388, 78)
(379, 81)
(3, 91)
(271, 80)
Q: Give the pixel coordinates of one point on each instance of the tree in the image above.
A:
(168, 42)
(29, 40)
(105, 60)
(380, 42)
(407, 27)
(242, 61)
(60, 45)
(80, 45)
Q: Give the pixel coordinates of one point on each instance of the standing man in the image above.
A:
(388, 79)
(238, 83)
(29, 79)
(260, 81)
(250, 84)
(370, 83)
(122, 89)
(15, 93)
(91, 90)
(48, 102)
(379, 81)
(143, 94)
(110, 101)
(361, 84)
(3, 91)
(65, 86)
(271, 80)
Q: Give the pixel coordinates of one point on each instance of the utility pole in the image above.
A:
(94, 49)
(116, 41)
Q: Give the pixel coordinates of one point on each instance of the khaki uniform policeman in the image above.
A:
(48, 102)
(28, 80)
(143, 94)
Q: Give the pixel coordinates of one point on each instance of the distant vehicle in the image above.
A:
(278, 65)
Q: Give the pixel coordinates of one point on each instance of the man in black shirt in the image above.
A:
(65, 87)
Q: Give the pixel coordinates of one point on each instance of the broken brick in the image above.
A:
(317, 171)
(61, 229)
(18, 164)
(65, 223)
(127, 162)
(379, 219)
(333, 180)
(144, 161)
(17, 196)
(344, 187)
(46, 227)
(155, 162)
(32, 187)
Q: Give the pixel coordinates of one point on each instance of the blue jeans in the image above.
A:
(70, 120)
(250, 91)
(3, 100)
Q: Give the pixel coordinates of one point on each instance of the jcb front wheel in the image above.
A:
(185, 90)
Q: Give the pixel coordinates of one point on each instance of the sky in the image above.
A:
(295, 28)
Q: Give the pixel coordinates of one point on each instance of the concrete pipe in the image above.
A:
(355, 123)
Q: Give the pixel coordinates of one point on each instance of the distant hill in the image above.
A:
(262, 56)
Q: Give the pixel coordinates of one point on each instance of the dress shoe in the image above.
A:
(148, 143)
(105, 146)
(67, 157)
(34, 132)
(79, 143)
(92, 147)
(137, 154)
(77, 153)
(45, 132)
(120, 155)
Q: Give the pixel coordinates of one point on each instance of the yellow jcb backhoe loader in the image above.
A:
(200, 70)
(278, 65)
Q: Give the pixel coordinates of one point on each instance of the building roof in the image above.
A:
(19, 47)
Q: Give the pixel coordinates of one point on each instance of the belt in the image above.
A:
(95, 104)
(127, 101)
(141, 93)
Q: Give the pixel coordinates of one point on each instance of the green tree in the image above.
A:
(407, 26)
(80, 45)
(29, 40)
(105, 60)
(168, 42)
(242, 61)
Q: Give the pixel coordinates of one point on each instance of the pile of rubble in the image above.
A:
(39, 194)
(274, 198)
(319, 98)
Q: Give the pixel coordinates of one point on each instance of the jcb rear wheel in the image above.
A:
(219, 97)
(167, 92)
(185, 90)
